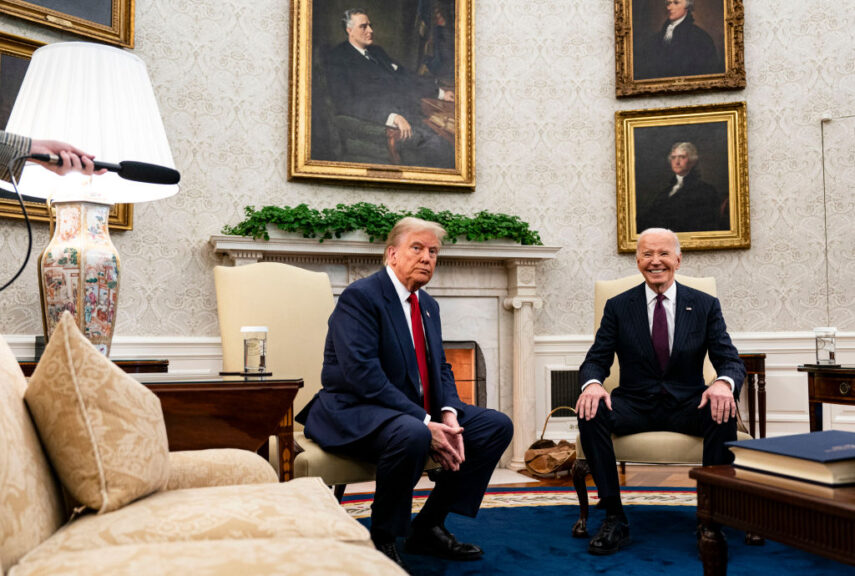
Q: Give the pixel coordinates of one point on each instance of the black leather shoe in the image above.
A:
(391, 551)
(613, 535)
(437, 541)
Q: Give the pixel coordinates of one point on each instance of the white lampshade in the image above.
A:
(100, 100)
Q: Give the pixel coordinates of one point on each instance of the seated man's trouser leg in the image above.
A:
(400, 448)
(633, 414)
(426, 148)
(486, 435)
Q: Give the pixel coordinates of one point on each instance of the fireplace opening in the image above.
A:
(467, 363)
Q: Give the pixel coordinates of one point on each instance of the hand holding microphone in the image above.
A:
(49, 154)
(76, 160)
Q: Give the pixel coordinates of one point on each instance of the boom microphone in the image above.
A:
(128, 169)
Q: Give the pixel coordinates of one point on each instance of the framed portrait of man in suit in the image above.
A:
(110, 21)
(15, 55)
(382, 91)
(671, 46)
(685, 169)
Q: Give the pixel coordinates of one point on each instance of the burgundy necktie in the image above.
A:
(421, 352)
(660, 332)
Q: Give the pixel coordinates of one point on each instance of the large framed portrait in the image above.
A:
(110, 21)
(382, 93)
(15, 54)
(671, 46)
(685, 169)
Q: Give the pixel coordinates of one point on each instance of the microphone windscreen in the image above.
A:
(151, 173)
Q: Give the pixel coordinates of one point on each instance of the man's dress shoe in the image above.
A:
(437, 541)
(613, 535)
(391, 551)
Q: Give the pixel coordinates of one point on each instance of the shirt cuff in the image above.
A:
(729, 380)
(390, 121)
(592, 381)
(449, 409)
(427, 419)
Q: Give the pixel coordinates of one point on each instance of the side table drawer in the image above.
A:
(837, 389)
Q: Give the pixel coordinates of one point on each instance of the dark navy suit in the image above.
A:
(373, 89)
(370, 406)
(647, 398)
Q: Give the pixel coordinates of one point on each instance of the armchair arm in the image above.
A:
(217, 467)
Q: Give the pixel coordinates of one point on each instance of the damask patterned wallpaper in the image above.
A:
(545, 150)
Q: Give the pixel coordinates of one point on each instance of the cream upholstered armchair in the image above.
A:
(645, 447)
(295, 305)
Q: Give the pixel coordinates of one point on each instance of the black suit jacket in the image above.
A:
(370, 372)
(691, 52)
(695, 207)
(373, 90)
(699, 329)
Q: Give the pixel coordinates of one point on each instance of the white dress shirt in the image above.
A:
(676, 186)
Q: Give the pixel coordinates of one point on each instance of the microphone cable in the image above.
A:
(14, 181)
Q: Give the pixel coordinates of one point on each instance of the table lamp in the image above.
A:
(99, 99)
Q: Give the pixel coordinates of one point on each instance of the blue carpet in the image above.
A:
(537, 540)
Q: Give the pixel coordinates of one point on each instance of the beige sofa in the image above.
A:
(139, 511)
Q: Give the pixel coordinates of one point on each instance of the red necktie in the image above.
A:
(421, 351)
(660, 333)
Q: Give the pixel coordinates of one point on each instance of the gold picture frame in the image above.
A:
(110, 21)
(15, 53)
(707, 206)
(339, 117)
(704, 51)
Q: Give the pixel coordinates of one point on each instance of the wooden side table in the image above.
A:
(131, 366)
(755, 368)
(814, 518)
(230, 412)
(831, 384)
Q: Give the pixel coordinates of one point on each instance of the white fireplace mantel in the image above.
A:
(487, 290)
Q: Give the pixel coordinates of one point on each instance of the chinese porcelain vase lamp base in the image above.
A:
(79, 272)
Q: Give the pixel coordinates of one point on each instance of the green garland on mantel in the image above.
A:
(377, 221)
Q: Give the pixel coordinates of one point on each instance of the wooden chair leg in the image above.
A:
(580, 473)
(623, 468)
(338, 490)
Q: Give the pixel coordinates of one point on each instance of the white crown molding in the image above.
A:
(243, 249)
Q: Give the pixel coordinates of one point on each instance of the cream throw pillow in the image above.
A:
(103, 431)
